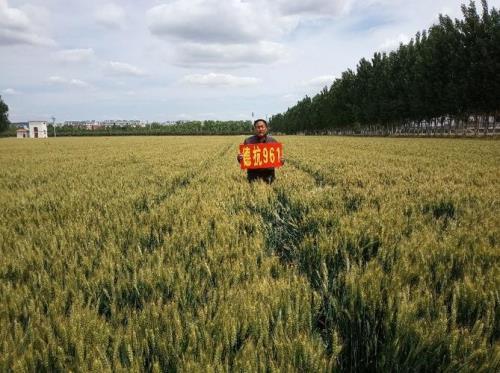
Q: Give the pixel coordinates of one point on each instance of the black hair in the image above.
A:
(260, 120)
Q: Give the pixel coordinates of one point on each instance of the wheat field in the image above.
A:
(155, 254)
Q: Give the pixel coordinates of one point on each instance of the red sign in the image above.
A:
(263, 155)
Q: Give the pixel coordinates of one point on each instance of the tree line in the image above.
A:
(208, 127)
(446, 77)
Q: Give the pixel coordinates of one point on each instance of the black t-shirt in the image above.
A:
(260, 140)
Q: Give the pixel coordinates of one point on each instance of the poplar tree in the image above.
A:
(4, 119)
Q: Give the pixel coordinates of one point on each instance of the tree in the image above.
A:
(4, 119)
(449, 72)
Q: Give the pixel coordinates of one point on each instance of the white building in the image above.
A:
(120, 122)
(38, 129)
(22, 133)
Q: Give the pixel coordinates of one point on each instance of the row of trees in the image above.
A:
(446, 75)
(210, 127)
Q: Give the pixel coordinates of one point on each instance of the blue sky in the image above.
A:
(190, 59)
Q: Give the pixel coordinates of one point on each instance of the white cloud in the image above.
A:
(393, 43)
(234, 32)
(315, 7)
(110, 15)
(289, 97)
(212, 21)
(219, 80)
(264, 52)
(68, 82)
(78, 83)
(76, 55)
(122, 68)
(452, 12)
(57, 79)
(221, 33)
(17, 28)
(10, 91)
(319, 81)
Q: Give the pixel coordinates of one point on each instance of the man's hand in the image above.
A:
(239, 158)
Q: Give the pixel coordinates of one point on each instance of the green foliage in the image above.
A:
(155, 254)
(208, 127)
(4, 119)
(451, 70)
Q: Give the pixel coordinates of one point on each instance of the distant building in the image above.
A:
(22, 133)
(94, 124)
(81, 123)
(38, 129)
(34, 130)
(120, 122)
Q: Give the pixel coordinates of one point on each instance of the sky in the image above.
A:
(190, 59)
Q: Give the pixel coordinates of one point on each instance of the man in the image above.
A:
(265, 174)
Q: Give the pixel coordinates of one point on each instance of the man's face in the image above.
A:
(260, 129)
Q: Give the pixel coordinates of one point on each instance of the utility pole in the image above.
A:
(54, 125)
